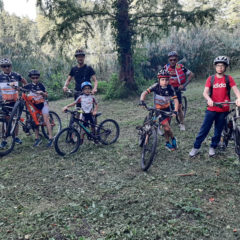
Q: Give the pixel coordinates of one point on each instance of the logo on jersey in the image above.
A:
(221, 85)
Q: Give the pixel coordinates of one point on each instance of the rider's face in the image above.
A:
(35, 79)
(164, 82)
(87, 90)
(173, 61)
(80, 59)
(220, 68)
(6, 68)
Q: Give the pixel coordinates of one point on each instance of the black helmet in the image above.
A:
(5, 61)
(33, 72)
(163, 74)
(79, 52)
(173, 54)
(221, 59)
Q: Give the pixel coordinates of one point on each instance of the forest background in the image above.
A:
(25, 42)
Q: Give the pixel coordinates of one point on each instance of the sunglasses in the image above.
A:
(172, 60)
(34, 78)
(5, 66)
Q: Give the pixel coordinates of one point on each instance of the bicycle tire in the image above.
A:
(14, 118)
(236, 137)
(227, 133)
(67, 141)
(56, 124)
(10, 140)
(141, 136)
(104, 131)
(149, 146)
(184, 108)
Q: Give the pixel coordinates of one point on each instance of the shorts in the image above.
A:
(88, 117)
(43, 107)
(8, 107)
(178, 94)
(164, 119)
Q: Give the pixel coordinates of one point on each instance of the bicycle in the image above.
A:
(68, 139)
(33, 116)
(9, 140)
(148, 135)
(231, 128)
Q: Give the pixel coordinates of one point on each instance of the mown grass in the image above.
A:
(101, 193)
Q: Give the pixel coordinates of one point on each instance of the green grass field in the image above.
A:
(101, 192)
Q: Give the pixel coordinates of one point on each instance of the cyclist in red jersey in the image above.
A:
(213, 113)
(178, 80)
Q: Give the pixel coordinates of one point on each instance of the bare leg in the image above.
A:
(49, 128)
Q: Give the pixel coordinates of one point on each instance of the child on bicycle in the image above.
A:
(217, 89)
(163, 93)
(38, 94)
(88, 104)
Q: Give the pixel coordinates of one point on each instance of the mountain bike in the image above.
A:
(68, 139)
(33, 117)
(9, 140)
(231, 130)
(148, 135)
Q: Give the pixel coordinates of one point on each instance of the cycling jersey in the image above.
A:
(162, 96)
(7, 92)
(219, 92)
(177, 73)
(81, 74)
(87, 102)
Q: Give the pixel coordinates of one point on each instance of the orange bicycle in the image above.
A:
(33, 116)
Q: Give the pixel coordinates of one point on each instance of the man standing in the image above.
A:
(81, 73)
(178, 80)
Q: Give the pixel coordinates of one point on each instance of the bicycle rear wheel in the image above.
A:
(7, 142)
(149, 149)
(67, 141)
(108, 131)
(184, 108)
(56, 125)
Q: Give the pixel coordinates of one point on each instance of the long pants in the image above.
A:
(219, 120)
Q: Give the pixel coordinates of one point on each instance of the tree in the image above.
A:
(131, 20)
(1, 5)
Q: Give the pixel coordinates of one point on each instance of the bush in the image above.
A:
(102, 87)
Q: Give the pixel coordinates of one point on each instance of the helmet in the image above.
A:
(84, 84)
(33, 72)
(5, 61)
(221, 59)
(172, 54)
(79, 52)
(163, 74)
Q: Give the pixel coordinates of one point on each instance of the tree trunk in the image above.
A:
(124, 35)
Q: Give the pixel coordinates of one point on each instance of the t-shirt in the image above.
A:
(81, 74)
(219, 92)
(7, 92)
(162, 95)
(87, 102)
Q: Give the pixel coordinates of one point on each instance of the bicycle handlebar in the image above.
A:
(159, 111)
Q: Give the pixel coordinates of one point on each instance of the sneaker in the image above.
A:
(18, 140)
(182, 127)
(50, 142)
(37, 142)
(194, 152)
(211, 152)
(174, 142)
(160, 131)
(3, 144)
(169, 146)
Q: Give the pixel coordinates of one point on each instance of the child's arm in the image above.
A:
(207, 97)
(69, 105)
(237, 93)
(95, 109)
(142, 98)
(176, 105)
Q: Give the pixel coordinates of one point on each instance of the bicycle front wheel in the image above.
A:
(184, 108)
(108, 131)
(55, 123)
(7, 141)
(67, 141)
(236, 136)
(149, 149)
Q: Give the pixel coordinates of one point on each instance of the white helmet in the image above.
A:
(221, 59)
(5, 61)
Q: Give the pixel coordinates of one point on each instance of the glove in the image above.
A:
(142, 103)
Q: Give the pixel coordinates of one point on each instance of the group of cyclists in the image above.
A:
(172, 79)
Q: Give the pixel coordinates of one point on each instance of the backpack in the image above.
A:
(227, 85)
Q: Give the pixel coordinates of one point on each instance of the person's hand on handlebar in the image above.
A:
(142, 104)
(64, 109)
(237, 102)
(210, 102)
(65, 89)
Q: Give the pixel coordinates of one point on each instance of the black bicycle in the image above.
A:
(7, 140)
(148, 135)
(231, 130)
(68, 140)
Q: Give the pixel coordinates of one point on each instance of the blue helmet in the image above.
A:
(84, 84)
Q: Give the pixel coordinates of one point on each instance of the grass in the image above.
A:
(101, 193)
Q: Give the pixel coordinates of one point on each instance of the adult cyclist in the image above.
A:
(81, 73)
(178, 80)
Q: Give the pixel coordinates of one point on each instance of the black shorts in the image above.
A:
(88, 117)
(7, 107)
(178, 94)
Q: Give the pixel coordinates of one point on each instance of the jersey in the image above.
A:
(219, 92)
(87, 102)
(8, 93)
(81, 74)
(162, 96)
